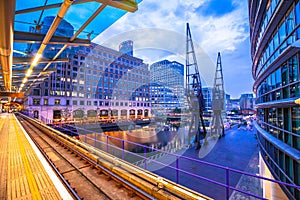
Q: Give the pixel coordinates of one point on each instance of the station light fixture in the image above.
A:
(297, 101)
(35, 60)
(24, 80)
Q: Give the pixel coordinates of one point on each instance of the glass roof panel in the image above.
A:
(36, 16)
(20, 5)
(105, 19)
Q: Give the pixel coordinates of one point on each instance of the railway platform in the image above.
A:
(24, 173)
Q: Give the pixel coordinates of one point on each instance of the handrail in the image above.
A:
(125, 170)
(145, 158)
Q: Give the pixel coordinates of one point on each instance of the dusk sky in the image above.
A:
(158, 30)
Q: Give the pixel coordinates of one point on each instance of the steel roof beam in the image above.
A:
(12, 94)
(60, 15)
(23, 71)
(18, 76)
(91, 18)
(7, 16)
(31, 79)
(55, 5)
(28, 60)
(35, 38)
(128, 5)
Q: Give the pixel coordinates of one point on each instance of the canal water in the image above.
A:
(136, 141)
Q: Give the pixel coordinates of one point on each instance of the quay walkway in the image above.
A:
(24, 173)
(237, 150)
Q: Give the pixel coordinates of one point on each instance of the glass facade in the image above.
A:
(285, 34)
(283, 83)
(163, 99)
(277, 85)
(96, 79)
(170, 76)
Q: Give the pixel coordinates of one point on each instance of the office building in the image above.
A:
(97, 83)
(126, 47)
(163, 100)
(274, 35)
(207, 97)
(169, 77)
(247, 101)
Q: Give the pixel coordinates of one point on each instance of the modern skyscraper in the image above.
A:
(126, 47)
(163, 100)
(274, 35)
(207, 96)
(170, 76)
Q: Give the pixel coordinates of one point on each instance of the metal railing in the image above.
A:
(146, 159)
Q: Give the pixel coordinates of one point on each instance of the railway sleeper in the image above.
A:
(120, 171)
(131, 193)
(100, 171)
(108, 178)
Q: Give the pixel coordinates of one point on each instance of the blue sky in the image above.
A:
(158, 32)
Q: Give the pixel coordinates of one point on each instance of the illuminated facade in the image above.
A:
(170, 76)
(163, 100)
(97, 82)
(274, 35)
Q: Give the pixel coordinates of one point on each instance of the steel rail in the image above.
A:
(127, 171)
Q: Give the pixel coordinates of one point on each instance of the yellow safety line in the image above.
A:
(32, 183)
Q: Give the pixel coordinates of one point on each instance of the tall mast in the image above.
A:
(218, 93)
(194, 91)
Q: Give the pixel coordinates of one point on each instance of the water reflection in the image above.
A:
(167, 138)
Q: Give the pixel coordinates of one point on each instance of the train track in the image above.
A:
(90, 173)
(81, 175)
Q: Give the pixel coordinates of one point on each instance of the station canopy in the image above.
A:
(28, 27)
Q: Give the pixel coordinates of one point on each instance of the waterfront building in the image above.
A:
(207, 97)
(247, 101)
(169, 76)
(233, 105)
(163, 100)
(126, 47)
(97, 83)
(274, 35)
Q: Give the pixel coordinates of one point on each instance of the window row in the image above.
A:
(281, 164)
(284, 36)
(267, 17)
(282, 123)
(107, 103)
(282, 83)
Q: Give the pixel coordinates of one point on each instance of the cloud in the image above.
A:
(211, 32)
(153, 44)
(159, 27)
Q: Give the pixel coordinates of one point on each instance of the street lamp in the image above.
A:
(297, 101)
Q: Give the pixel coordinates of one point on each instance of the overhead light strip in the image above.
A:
(60, 15)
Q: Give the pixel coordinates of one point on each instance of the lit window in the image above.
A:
(57, 101)
(45, 101)
(36, 101)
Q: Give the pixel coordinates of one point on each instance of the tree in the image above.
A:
(177, 110)
(65, 114)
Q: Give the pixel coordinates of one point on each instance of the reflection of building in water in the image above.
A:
(96, 82)
(169, 141)
(169, 76)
